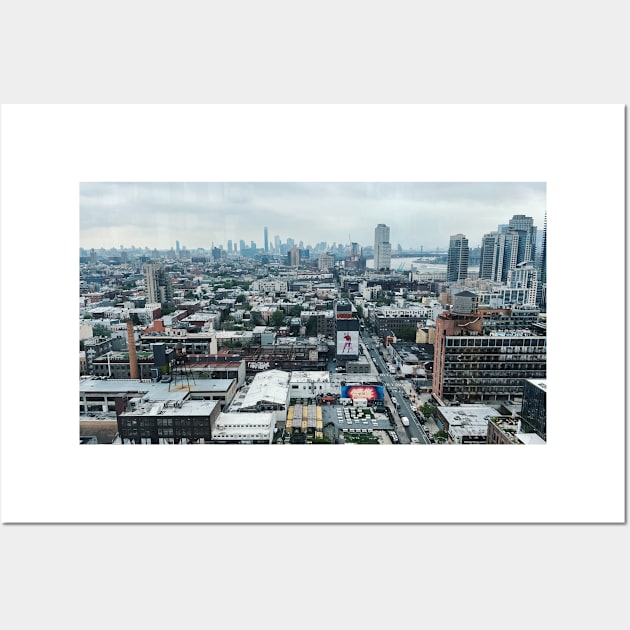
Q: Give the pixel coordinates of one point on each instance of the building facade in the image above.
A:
(326, 261)
(158, 284)
(169, 422)
(534, 409)
(470, 366)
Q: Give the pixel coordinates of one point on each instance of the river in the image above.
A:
(405, 264)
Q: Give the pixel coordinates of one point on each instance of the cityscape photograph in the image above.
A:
(313, 313)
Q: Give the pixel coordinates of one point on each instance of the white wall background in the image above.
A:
(375, 575)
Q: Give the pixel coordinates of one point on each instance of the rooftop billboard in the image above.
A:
(369, 392)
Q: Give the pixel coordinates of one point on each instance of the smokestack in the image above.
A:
(133, 355)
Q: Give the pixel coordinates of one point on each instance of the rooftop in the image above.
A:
(175, 390)
(271, 386)
(174, 408)
(541, 383)
(509, 426)
(308, 376)
(470, 420)
(530, 438)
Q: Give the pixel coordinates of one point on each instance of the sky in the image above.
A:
(156, 215)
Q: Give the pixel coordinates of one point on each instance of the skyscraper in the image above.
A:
(489, 256)
(499, 254)
(382, 248)
(266, 239)
(511, 245)
(526, 230)
(457, 267)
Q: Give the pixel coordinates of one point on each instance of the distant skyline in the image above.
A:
(156, 215)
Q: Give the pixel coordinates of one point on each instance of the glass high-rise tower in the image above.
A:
(457, 267)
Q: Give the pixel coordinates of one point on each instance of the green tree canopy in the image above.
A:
(100, 330)
(408, 333)
(311, 326)
(428, 411)
(440, 436)
(277, 318)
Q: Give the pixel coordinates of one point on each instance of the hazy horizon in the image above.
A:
(155, 215)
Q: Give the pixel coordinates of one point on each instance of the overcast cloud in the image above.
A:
(203, 214)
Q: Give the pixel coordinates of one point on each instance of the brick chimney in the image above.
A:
(133, 355)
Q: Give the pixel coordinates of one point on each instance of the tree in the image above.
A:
(360, 311)
(311, 326)
(277, 318)
(407, 334)
(135, 319)
(100, 330)
(440, 436)
(256, 318)
(295, 311)
(428, 411)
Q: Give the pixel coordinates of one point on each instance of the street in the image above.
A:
(398, 390)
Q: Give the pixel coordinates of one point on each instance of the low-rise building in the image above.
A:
(169, 422)
(117, 365)
(244, 428)
(268, 391)
(466, 424)
(308, 384)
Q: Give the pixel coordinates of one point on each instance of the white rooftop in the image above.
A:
(468, 420)
(539, 382)
(271, 386)
(308, 376)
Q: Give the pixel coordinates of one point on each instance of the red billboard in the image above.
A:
(368, 392)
